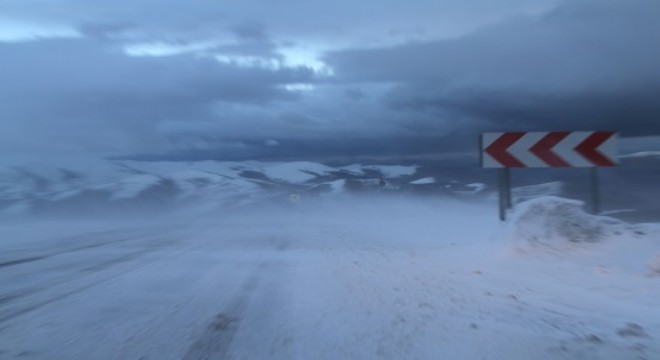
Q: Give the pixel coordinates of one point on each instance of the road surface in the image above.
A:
(299, 286)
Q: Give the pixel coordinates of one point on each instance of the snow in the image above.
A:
(555, 222)
(472, 189)
(424, 181)
(556, 225)
(193, 183)
(107, 181)
(335, 278)
(135, 176)
(389, 171)
(296, 172)
(477, 187)
(393, 171)
(654, 265)
(133, 186)
(642, 154)
(354, 168)
(523, 193)
(337, 186)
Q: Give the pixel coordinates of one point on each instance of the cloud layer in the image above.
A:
(164, 79)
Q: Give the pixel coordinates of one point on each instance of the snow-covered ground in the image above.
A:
(335, 278)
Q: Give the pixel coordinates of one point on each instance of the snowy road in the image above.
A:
(389, 284)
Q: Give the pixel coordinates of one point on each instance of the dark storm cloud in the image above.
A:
(105, 29)
(253, 31)
(586, 65)
(247, 79)
(634, 112)
(81, 88)
(295, 19)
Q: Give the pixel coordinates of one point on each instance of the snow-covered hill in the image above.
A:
(95, 186)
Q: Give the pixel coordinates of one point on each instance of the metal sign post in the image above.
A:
(508, 201)
(501, 194)
(595, 191)
(544, 150)
(504, 187)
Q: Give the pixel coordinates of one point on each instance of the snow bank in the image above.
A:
(557, 223)
(654, 266)
(561, 226)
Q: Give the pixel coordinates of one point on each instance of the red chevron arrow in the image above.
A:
(543, 149)
(498, 149)
(589, 148)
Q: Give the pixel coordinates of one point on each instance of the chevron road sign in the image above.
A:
(549, 149)
(553, 149)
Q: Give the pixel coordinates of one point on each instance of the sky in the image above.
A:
(320, 80)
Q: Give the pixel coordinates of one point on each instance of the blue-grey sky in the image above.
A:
(319, 79)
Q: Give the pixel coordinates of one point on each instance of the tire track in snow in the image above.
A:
(80, 242)
(216, 340)
(22, 261)
(75, 243)
(131, 237)
(35, 304)
(90, 270)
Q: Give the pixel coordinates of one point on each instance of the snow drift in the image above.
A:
(654, 266)
(561, 226)
(556, 222)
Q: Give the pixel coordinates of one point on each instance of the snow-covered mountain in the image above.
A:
(90, 186)
(98, 186)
